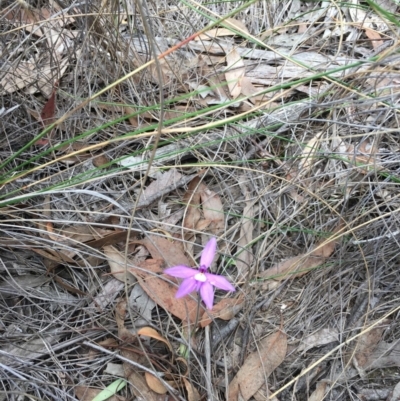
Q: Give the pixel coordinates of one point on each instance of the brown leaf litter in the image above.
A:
(299, 265)
(270, 353)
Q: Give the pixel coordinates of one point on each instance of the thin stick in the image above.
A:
(207, 351)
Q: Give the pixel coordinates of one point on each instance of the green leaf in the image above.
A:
(111, 390)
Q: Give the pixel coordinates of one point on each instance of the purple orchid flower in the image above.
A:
(199, 279)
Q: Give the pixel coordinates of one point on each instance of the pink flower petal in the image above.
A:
(207, 294)
(187, 286)
(220, 282)
(208, 253)
(181, 271)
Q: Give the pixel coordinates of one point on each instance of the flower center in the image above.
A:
(200, 277)
(202, 269)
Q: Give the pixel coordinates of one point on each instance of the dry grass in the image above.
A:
(310, 157)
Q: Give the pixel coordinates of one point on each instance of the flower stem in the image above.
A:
(196, 322)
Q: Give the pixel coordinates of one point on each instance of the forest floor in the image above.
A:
(132, 133)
